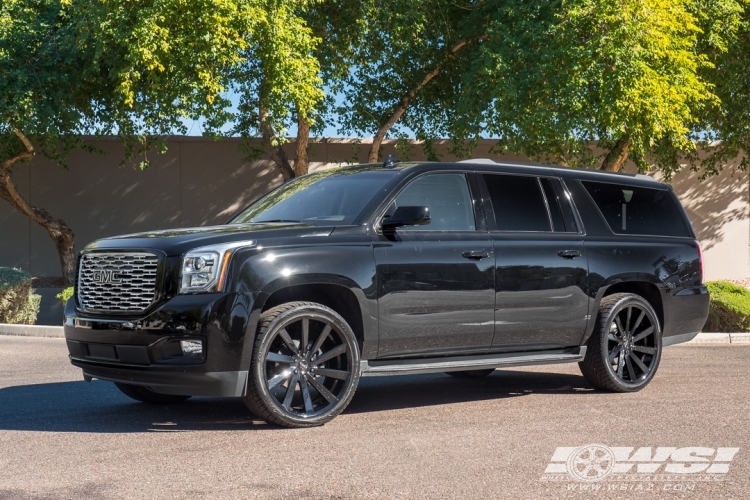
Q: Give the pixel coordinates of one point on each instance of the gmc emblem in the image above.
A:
(105, 277)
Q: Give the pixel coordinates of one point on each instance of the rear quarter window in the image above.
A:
(638, 210)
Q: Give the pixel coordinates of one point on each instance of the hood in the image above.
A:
(178, 241)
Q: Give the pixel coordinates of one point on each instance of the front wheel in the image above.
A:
(305, 365)
(146, 395)
(625, 349)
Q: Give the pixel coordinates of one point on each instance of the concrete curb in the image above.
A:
(57, 332)
(721, 338)
(31, 330)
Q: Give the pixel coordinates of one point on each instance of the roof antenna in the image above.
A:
(391, 161)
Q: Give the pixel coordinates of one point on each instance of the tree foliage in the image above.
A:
(724, 127)
(549, 78)
(135, 68)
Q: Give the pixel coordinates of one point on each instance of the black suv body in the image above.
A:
(422, 267)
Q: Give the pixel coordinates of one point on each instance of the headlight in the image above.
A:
(204, 269)
(199, 271)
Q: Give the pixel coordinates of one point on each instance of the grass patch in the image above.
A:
(730, 308)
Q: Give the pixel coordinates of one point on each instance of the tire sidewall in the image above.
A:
(258, 362)
(621, 304)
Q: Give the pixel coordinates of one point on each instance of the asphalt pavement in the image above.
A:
(429, 436)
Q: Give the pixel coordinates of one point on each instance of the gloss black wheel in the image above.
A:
(625, 349)
(305, 365)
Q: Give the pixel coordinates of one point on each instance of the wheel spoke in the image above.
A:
(290, 392)
(619, 325)
(631, 371)
(288, 341)
(322, 390)
(645, 333)
(639, 363)
(614, 353)
(275, 357)
(627, 318)
(306, 395)
(644, 349)
(638, 321)
(620, 363)
(278, 379)
(321, 338)
(305, 334)
(337, 374)
(611, 336)
(340, 349)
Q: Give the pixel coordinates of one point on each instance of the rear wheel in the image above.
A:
(472, 373)
(146, 395)
(305, 365)
(624, 351)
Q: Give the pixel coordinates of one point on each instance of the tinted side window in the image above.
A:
(447, 196)
(637, 210)
(518, 203)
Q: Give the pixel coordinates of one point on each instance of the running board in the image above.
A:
(460, 363)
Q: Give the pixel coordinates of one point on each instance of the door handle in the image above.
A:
(569, 254)
(476, 254)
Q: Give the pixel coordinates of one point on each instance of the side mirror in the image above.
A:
(407, 216)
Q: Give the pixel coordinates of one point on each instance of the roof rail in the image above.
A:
(645, 177)
(479, 160)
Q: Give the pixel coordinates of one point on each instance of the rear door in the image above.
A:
(540, 263)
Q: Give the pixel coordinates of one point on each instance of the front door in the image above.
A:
(436, 282)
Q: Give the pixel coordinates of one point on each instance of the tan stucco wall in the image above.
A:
(201, 182)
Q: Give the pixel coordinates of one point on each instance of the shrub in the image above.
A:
(18, 305)
(730, 308)
(65, 295)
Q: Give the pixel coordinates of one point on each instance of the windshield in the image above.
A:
(335, 196)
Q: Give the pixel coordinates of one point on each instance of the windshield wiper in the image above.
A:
(276, 220)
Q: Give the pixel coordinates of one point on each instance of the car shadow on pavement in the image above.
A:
(99, 407)
(410, 391)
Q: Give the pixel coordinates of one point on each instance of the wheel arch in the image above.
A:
(646, 289)
(649, 291)
(338, 292)
(336, 296)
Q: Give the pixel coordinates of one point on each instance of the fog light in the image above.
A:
(192, 347)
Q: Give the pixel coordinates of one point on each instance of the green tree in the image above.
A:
(547, 78)
(305, 46)
(724, 128)
(623, 74)
(135, 68)
(405, 64)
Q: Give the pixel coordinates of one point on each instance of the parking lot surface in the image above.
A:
(429, 436)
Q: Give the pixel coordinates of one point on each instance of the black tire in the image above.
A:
(146, 395)
(287, 384)
(624, 350)
(472, 373)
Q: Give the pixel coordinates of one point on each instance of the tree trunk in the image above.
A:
(58, 230)
(269, 136)
(301, 164)
(617, 156)
(400, 108)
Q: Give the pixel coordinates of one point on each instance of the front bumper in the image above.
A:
(136, 350)
(217, 384)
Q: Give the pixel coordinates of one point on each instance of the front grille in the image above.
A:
(117, 282)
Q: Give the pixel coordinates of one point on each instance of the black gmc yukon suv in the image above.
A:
(402, 268)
